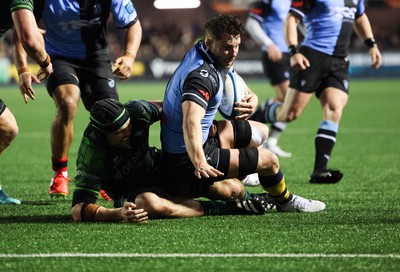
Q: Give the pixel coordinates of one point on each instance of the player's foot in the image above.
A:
(6, 199)
(257, 204)
(300, 204)
(59, 186)
(251, 180)
(326, 176)
(277, 150)
(105, 196)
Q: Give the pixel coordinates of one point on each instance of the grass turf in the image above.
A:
(359, 231)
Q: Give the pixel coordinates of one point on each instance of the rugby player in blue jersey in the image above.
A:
(29, 40)
(265, 26)
(320, 66)
(76, 41)
(201, 158)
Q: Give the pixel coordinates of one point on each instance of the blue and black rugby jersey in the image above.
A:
(271, 14)
(329, 23)
(196, 79)
(77, 28)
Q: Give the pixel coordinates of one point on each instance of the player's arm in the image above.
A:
(297, 60)
(85, 209)
(363, 29)
(192, 115)
(31, 39)
(258, 34)
(91, 212)
(124, 64)
(25, 78)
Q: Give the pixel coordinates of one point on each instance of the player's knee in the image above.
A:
(153, 205)
(67, 108)
(268, 162)
(9, 133)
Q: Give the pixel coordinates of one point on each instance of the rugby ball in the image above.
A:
(234, 90)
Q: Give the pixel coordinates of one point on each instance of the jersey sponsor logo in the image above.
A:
(87, 175)
(204, 73)
(97, 9)
(129, 7)
(132, 162)
(297, 4)
(205, 94)
(78, 24)
(347, 13)
(111, 83)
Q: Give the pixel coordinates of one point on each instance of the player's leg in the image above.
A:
(168, 206)
(66, 98)
(63, 87)
(237, 134)
(333, 101)
(277, 128)
(8, 132)
(266, 164)
(8, 127)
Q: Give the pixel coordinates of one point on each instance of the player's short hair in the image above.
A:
(220, 24)
(108, 115)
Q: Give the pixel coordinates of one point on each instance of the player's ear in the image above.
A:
(208, 41)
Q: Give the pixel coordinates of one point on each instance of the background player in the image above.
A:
(321, 66)
(76, 41)
(265, 26)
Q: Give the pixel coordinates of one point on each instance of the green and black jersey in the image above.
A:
(119, 171)
(9, 6)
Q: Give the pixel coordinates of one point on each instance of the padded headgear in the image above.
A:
(108, 115)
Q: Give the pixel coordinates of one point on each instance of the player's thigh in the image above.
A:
(225, 133)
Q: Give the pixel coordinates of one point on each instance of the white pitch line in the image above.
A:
(195, 255)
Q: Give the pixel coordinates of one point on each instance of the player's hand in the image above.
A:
(25, 85)
(247, 106)
(376, 57)
(274, 54)
(131, 214)
(206, 171)
(122, 67)
(45, 72)
(299, 62)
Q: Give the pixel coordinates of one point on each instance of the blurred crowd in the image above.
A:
(169, 40)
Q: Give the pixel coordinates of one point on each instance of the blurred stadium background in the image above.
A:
(168, 33)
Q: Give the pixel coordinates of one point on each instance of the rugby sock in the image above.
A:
(60, 165)
(220, 207)
(276, 187)
(324, 143)
(270, 112)
(276, 130)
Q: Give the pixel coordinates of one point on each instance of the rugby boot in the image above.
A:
(105, 196)
(301, 204)
(6, 199)
(59, 185)
(326, 176)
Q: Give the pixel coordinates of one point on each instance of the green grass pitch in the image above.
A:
(358, 231)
